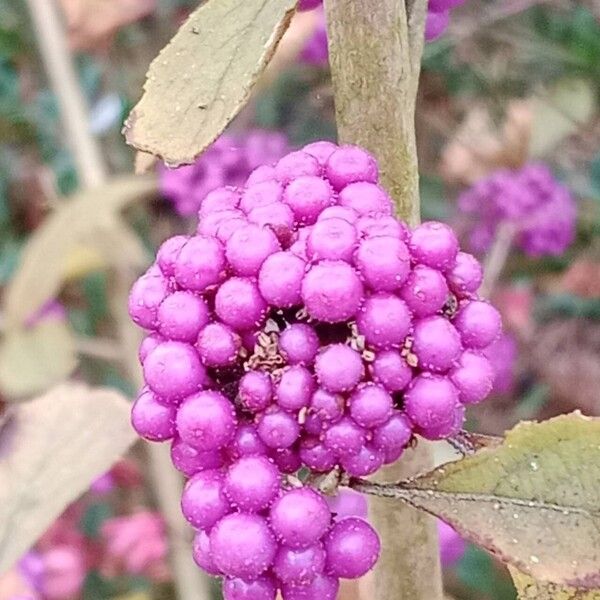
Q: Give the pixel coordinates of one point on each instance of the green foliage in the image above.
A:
(478, 571)
(94, 516)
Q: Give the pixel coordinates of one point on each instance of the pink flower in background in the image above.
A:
(64, 569)
(452, 546)
(135, 544)
(228, 161)
(52, 310)
(316, 52)
(502, 355)
(539, 208)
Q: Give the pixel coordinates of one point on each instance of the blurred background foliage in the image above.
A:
(508, 83)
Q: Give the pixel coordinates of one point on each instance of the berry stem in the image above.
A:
(375, 53)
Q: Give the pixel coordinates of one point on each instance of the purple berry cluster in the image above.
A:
(302, 329)
(228, 161)
(438, 17)
(539, 208)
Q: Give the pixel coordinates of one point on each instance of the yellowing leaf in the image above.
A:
(534, 500)
(90, 220)
(51, 450)
(566, 107)
(204, 76)
(530, 589)
(35, 358)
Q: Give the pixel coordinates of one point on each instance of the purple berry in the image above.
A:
(148, 344)
(436, 24)
(466, 274)
(339, 368)
(425, 291)
(313, 424)
(166, 256)
(332, 291)
(366, 462)
(445, 430)
(300, 517)
(316, 456)
(478, 323)
(370, 405)
(238, 303)
(261, 194)
(352, 548)
(202, 554)
(145, 297)
(384, 320)
(430, 401)
(332, 239)
(280, 279)
(279, 217)
(151, 419)
(246, 442)
(393, 437)
(181, 315)
(189, 460)
(278, 429)
(206, 421)
(200, 264)
(203, 501)
(328, 406)
(295, 165)
(299, 566)
(256, 390)
(436, 344)
(295, 388)
(173, 370)
(349, 164)
(322, 587)
(287, 460)
(383, 262)
(382, 226)
(252, 483)
(323, 149)
(218, 345)
(366, 199)
(260, 174)
(434, 244)
(391, 370)
(223, 198)
(242, 545)
(473, 376)
(263, 588)
(307, 197)
(344, 438)
(339, 212)
(247, 249)
(221, 224)
(298, 344)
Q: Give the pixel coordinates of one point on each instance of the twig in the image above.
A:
(63, 78)
(497, 256)
(375, 55)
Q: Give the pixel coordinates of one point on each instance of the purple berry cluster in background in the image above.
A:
(229, 160)
(539, 208)
(302, 327)
(438, 17)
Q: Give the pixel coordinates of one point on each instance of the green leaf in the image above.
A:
(204, 76)
(52, 449)
(534, 501)
(530, 589)
(86, 226)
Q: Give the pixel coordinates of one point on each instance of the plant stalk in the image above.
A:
(375, 51)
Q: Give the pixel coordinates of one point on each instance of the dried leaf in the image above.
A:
(204, 76)
(90, 219)
(534, 500)
(34, 358)
(50, 452)
(564, 109)
(530, 589)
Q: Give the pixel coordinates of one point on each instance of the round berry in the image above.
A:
(370, 405)
(391, 370)
(166, 256)
(296, 164)
(316, 456)
(151, 419)
(299, 566)
(181, 315)
(366, 199)
(352, 548)
(200, 264)
(328, 406)
(430, 401)
(278, 429)
(242, 545)
(332, 291)
(263, 588)
(238, 303)
(295, 388)
(173, 370)
(344, 438)
(384, 320)
(339, 212)
(246, 442)
(287, 460)
(366, 462)
(300, 517)
(298, 344)
(425, 291)
(203, 501)
(280, 279)
(322, 149)
(349, 164)
(218, 345)
(322, 587)
(383, 262)
(393, 436)
(261, 194)
(148, 344)
(247, 248)
(206, 421)
(223, 198)
(332, 239)
(473, 376)
(202, 554)
(466, 275)
(434, 244)
(436, 343)
(382, 226)
(339, 368)
(307, 196)
(252, 483)
(190, 460)
(221, 224)
(478, 323)
(279, 217)
(256, 390)
(145, 297)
